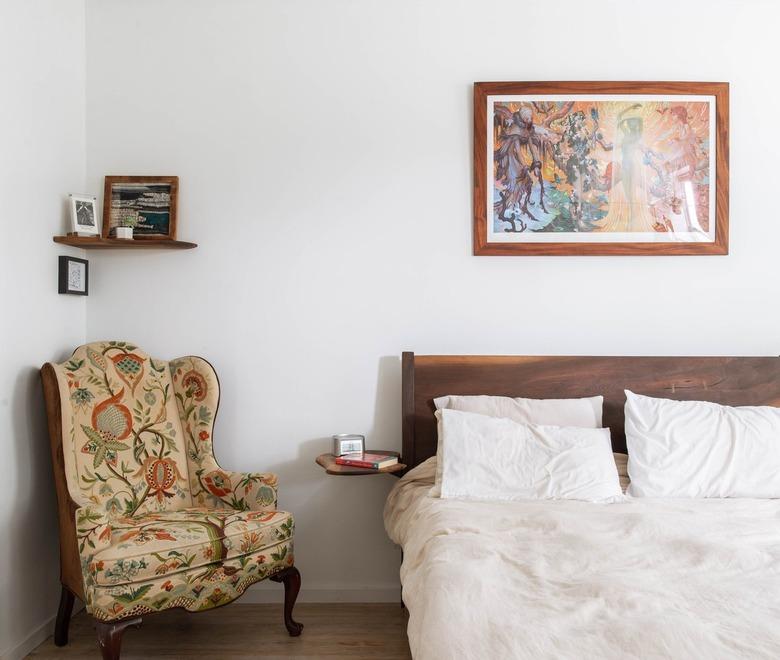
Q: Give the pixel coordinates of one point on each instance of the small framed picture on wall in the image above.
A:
(74, 276)
(83, 215)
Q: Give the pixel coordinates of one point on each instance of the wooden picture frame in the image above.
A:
(668, 139)
(157, 218)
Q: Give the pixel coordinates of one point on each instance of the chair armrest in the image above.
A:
(242, 491)
(259, 490)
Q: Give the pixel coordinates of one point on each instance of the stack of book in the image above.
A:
(366, 460)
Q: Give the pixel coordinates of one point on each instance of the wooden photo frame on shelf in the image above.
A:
(147, 203)
(601, 168)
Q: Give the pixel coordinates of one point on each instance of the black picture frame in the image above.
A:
(64, 285)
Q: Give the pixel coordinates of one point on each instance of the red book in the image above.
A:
(371, 461)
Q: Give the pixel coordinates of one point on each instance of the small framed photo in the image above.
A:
(146, 203)
(74, 276)
(83, 215)
(348, 443)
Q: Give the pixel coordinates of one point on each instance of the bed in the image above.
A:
(644, 578)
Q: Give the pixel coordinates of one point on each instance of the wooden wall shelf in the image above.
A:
(100, 243)
(328, 461)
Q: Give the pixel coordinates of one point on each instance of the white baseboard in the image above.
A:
(265, 594)
(34, 639)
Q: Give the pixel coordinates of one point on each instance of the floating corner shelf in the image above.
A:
(100, 243)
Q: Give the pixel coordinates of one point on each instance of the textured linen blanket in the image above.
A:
(644, 578)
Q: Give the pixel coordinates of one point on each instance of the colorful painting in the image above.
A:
(600, 168)
(148, 204)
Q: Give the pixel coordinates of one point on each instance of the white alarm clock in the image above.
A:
(348, 443)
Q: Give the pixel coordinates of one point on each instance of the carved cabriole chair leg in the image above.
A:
(63, 617)
(292, 585)
(110, 635)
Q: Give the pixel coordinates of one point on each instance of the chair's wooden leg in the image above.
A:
(292, 585)
(63, 617)
(110, 635)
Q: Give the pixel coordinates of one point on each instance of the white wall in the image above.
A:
(41, 160)
(324, 150)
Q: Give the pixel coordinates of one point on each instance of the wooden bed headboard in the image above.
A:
(736, 381)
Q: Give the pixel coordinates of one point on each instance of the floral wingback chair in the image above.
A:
(148, 520)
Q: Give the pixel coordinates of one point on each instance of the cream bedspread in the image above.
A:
(645, 578)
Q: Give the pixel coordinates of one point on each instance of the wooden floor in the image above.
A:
(332, 630)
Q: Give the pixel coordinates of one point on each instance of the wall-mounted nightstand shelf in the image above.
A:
(100, 243)
(328, 461)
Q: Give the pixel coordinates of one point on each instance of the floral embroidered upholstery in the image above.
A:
(159, 523)
(197, 393)
(197, 590)
(166, 543)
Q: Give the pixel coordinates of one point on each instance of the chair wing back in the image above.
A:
(123, 443)
(196, 388)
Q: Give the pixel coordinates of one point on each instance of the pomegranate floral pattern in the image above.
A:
(159, 523)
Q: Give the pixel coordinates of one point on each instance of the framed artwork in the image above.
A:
(73, 276)
(601, 168)
(83, 215)
(147, 203)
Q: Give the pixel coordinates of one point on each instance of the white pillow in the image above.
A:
(585, 413)
(701, 449)
(551, 412)
(489, 458)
